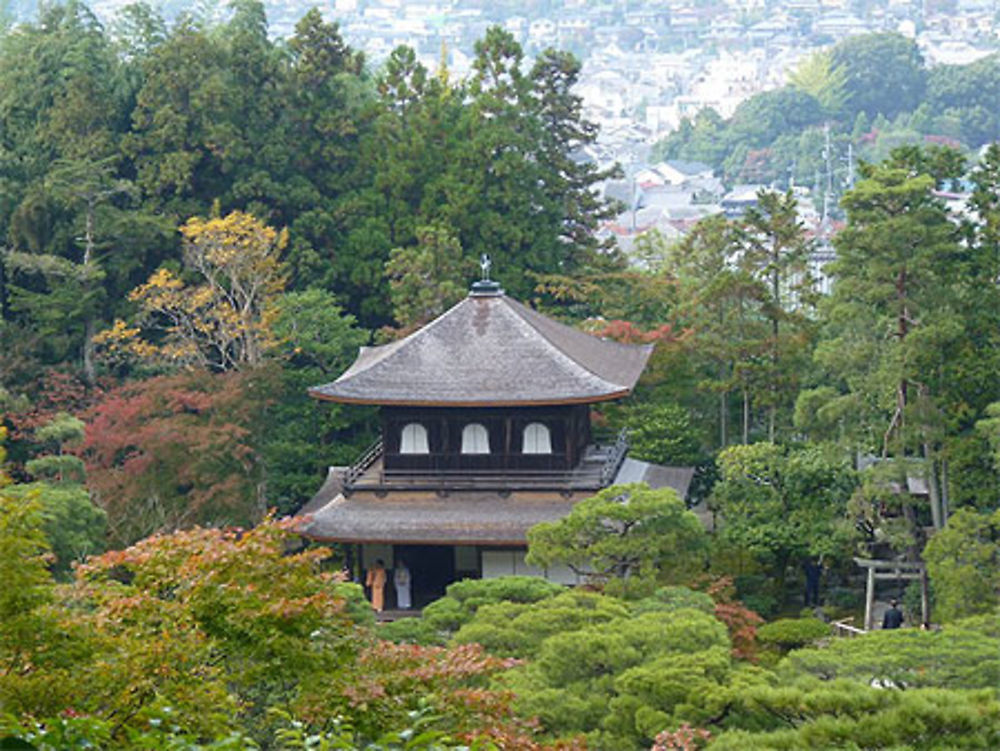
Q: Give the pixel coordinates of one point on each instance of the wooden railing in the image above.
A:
(844, 629)
(587, 475)
(371, 455)
(615, 458)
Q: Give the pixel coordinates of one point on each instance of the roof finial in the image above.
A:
(485, 287)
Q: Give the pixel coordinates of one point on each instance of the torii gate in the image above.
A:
(894, 570)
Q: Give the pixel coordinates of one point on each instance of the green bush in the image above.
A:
(619, 681)
(669, 599)
(961, 656)
(463, 599)
(506, 588)
(357, 605)
(792, 633)
(411, 631)
(514, 629)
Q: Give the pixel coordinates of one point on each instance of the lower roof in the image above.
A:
(459, 518)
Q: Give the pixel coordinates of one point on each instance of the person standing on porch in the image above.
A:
(401, 580)
(375, 580)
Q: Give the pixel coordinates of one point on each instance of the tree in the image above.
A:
(893, 316)
(627, 533)
(662, 433)
(568, 182)
(60, 108)
(960, 656)
(776, 252)
(783, 503)
(74, 526)
(828, 715)
(428, 278)
(719, 300)
(621, 680)
(884, 74)
(519, 629)
(817, 75)
(316, 341)
(963, 561)
(174, 451)
(229, 639)
(60, 433)
(223, 321)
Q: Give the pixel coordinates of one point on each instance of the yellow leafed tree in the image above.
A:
(223, 320)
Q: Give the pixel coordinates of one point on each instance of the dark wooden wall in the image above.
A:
(569, 430)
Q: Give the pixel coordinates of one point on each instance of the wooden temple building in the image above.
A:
(485, 424)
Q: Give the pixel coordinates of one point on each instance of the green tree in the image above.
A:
(895, 274)
(884, 74)
(817, 75)
(60, 108)
(620, 681)
(428, 278)
(785, 504)
(627, 533)
(776, 252)
(960, 656)
(298, 438)
(720, 302)
(846, 715)
(963, 561)
(74, 526)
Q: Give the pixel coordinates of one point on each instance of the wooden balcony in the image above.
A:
(596, 469)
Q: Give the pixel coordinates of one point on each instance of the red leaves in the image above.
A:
(173, 451)
(685, 738)
(741, 622)
(629, 333)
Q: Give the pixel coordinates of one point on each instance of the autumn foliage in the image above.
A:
(224, 631)
(741, 622)
(174, 451)
(222, 319)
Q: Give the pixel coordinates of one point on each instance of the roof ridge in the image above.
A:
(518, 307)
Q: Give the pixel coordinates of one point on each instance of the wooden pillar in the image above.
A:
(870, 600)
(925, 601)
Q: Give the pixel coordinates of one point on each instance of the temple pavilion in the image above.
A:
(485, 425)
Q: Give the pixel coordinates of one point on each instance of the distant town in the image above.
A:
(646, 67)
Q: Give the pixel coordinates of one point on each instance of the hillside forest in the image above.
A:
(199, 222)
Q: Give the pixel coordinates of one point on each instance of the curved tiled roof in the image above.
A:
(490, 350)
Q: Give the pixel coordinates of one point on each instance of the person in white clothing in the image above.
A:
(401, 580)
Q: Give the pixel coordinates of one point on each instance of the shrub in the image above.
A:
(669, 599)
(792, 633)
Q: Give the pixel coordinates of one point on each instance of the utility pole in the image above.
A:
(827, 157)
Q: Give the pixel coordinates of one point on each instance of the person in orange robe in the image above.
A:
(375, 580)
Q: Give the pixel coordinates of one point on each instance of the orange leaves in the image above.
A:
(222, 320)
(393, 678)
(629, 333)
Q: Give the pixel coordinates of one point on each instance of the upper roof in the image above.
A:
(490, 350)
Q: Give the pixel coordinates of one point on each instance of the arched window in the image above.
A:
(475, 439)
(536, 439)
(413, 439)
